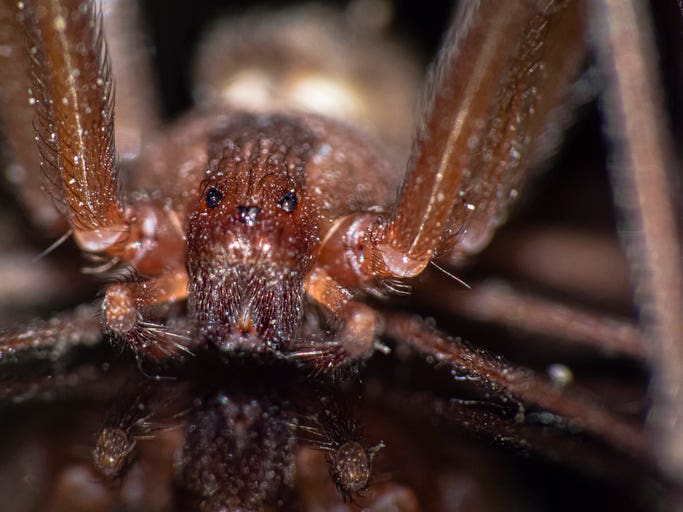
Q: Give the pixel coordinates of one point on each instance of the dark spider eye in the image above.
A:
(288, 202)
(213, 197)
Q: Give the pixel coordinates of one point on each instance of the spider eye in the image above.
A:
(213, 197)
(288, 202)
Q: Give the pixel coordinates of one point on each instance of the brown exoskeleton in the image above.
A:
(275, 222)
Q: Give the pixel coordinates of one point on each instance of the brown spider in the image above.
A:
(260, 231)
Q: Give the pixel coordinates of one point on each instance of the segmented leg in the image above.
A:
(16, 116)
(136, 103)
(523, 384)
(127, 306)
(465, 171)
(145, 410)
(642, 174)
(135, 107)
(360, 327)
(559, 445)
(72, 91)
(330, 426)
(51, 339)
(498, 303)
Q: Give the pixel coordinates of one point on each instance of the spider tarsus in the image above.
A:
(146, 409)
(119, 311)
(113, 452)
(123, 319)
(333, 429)
(349, 343)
(351, 467)
(360, 329)
(115, 448)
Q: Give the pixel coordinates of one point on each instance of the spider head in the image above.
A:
(251, 235)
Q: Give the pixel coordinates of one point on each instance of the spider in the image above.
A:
(260, 276)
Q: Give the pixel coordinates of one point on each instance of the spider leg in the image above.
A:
(147, 408)
(499, 303)
(528, 437)
(642, 174)
(125, 308)
(16, 118)
(135, 112)
(97, 379)
(51, 339)
(136, 102)
(330, 426)
(72, 91)
(579, 411)
(359, 331)
(465, 171)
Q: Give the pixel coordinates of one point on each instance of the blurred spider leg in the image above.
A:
(499, 303)
(523, 384)
(504, 67)
(124, 308)
(51, 339)
(25, 282)
(573, 261)
(16, 118)
(524, 127)
(72, 92)
(136, 102)
(642, 176)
